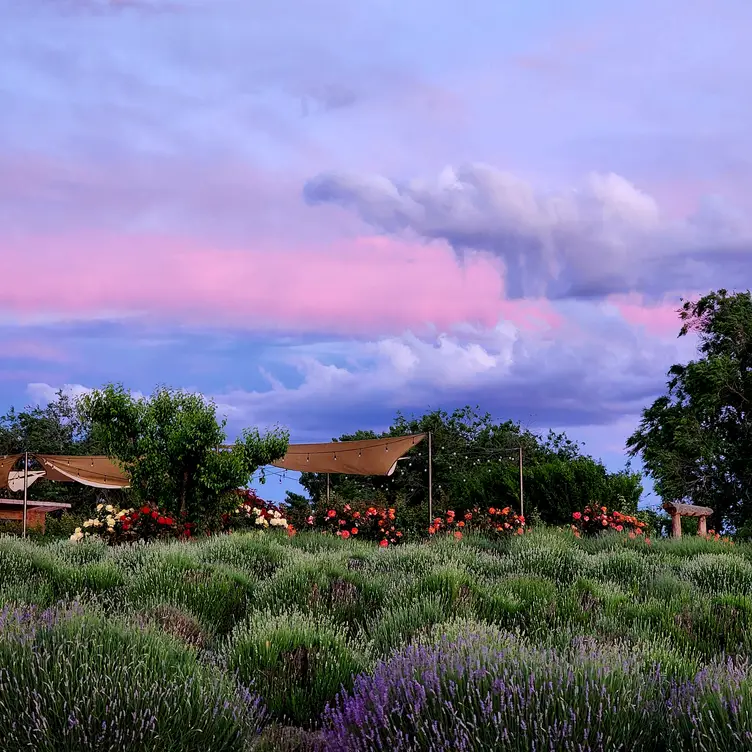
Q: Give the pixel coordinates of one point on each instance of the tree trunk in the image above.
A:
(183, 494)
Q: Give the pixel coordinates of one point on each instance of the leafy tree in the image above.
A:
(170, 444)
(299, 507)
(695, 441)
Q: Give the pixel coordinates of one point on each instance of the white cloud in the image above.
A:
(43, 394)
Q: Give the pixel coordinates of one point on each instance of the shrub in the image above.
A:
(128, 525)
(254, 513)
(295, 663)
(491, 522)
(594, 519)
(475, 693)
(359, 521)
(75, 681)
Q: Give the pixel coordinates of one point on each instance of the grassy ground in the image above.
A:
(240, 642)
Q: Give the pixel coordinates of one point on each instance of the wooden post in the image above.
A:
(26, 489)
(676, 525)
(430, 480)
(702, 528)
(522, 498)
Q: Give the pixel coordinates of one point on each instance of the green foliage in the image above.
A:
(298, 664)
(170, 446)
(696, 440)
(297, 617)
(102, 684)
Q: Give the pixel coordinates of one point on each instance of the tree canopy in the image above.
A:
(695, 439)
(476, 463)
(170, 445)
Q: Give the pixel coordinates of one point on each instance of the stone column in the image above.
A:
(702, 528)
(676, 525)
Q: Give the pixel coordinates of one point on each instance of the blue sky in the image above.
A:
(319, 213)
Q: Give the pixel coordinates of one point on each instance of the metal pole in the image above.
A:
(430, 480)
(26, 488)
(327, 489)
(522, 497)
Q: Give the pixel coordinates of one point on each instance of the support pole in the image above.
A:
(26, 489)
(522, 496)
(327, 489)
(676, 525)
(430, 480)
(702, 528)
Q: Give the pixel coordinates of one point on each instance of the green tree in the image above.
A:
(170, 444)
(695, 440)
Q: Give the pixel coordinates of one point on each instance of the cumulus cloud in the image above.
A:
(42, 394)
(588, 373)
(603, 238)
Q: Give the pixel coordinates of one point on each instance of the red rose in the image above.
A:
(168, 521)
(354, 531)
(160, 520)
(384, 544)
(145, 509)
(331, 513)
(577, 515)
(155, 515)
(345, 534)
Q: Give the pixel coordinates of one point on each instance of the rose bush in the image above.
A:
(367, 523)
(594, 519)
(116, 525)
(492, 522)
(254, 513)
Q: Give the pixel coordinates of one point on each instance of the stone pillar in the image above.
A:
(676, 525)
(702, 528)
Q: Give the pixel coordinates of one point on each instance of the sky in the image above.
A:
(320, 212)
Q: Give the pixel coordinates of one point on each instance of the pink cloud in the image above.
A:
(368, 285)
(659, 320)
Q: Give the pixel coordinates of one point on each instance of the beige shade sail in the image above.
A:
(97, 471)
(364, 457)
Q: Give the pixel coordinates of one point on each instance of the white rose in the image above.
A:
(109, 508)
(99, 507)
(260, 520)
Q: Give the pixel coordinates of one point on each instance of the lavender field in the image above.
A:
(260, 642)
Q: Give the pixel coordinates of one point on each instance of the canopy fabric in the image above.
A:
(16, 478)
(97, 471)
(364, 457)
